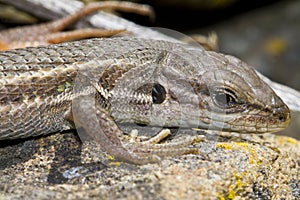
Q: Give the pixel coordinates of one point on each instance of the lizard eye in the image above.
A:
(224, 98)
(158, 93)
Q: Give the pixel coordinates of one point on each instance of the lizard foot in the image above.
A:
(153, 146)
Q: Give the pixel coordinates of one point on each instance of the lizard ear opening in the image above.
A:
(158, 93)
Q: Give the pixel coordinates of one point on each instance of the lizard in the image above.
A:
(97, 83)
(39, 84)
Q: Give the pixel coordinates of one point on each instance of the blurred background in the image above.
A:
(265, 34)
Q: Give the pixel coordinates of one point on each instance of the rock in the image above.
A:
(230, 166)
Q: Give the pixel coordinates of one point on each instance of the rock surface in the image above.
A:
(229, 167)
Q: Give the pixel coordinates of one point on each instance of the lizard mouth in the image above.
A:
(257, 122)
(261, 124)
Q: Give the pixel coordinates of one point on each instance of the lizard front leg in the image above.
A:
(98, 124)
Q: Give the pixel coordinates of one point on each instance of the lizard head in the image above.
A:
(187, 87)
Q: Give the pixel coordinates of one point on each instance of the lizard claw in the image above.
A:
(153, 147)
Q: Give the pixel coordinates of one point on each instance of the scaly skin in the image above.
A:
(132, 80)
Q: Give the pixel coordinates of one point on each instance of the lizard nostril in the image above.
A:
(282, 118)
(282, 114)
